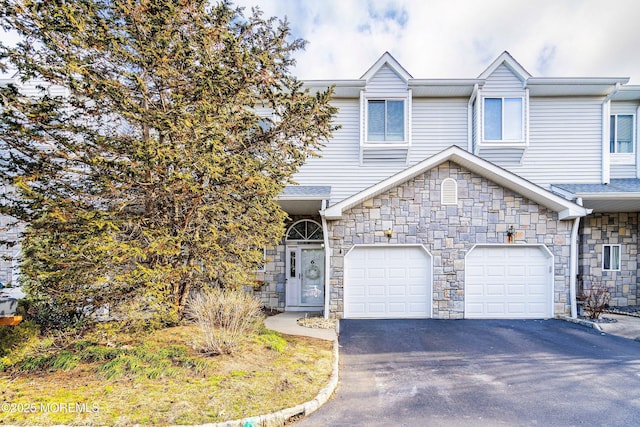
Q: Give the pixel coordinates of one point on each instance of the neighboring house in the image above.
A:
(502, 196)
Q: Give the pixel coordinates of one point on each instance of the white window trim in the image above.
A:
(405, 121)
(623, 158)
(619, 257)
(501, 142)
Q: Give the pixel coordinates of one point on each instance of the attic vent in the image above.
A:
(449, 192)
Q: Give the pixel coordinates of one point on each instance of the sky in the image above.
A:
(460, 38)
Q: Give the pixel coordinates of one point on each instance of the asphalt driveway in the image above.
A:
(477, 372)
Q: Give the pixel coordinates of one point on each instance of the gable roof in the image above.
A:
(387, 59)
(508, 60)
(566, 209)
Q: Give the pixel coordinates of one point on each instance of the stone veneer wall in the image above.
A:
(484, 212)
(273, 278)
(617, 229)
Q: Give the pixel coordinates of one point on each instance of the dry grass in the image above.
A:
(224, 316)
(181, 386)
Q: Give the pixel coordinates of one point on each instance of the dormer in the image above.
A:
(501, 112)
(385, 106)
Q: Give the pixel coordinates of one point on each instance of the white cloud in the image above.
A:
(460, 38)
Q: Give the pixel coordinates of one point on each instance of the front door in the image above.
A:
(305, 276)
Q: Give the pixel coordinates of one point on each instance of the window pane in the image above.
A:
(625, 134)
(395, 121)
(612, 135)
(615, 257)
(493, 119)
(606, 257)
(513, 119)
(375, 121)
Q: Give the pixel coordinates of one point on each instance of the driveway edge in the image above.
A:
(582, 322)
(279, 418)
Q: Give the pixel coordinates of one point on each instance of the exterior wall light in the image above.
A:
(511, 232)
(388, 233)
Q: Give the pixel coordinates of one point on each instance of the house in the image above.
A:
(502, 196)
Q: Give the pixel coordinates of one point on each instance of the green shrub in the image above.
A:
(225, 317)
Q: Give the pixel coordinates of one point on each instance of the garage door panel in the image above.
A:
(397, 291)
(376, 290)
(517, 290)
(396, 282)
(358, 291)
(418, 291)
(508, 282)
(495, 290)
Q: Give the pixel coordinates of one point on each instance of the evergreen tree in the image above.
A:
(154, 174)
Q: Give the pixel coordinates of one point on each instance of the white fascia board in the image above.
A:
(609, 196)
(599, 81)
(387, 58)
(475, 164)
(509, 61)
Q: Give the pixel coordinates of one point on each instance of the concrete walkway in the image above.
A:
(287, 323)
(626, 326)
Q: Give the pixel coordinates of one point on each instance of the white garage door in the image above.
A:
(387, 282)
(508, 282)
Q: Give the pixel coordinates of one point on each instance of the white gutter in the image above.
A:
(606, 156)
(573, 264)
(327, 261)
(473, 97)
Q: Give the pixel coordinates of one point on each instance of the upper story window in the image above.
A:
(503, 119)
(385, 120)
(621, 139)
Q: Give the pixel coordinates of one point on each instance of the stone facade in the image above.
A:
(617, 229)
(482, 215)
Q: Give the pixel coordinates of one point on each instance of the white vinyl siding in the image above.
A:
(437, 123)
(385, 83)
(565, 141)
(501, 82)
(339, 165)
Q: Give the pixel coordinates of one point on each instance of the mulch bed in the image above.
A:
(628, 310)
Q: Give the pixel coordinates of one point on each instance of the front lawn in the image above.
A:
(113, 379)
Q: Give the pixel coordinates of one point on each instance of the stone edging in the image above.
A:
(279, 418)
(582, 322)
(623, 313)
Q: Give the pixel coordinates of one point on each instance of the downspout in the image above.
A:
(606, 156)
(470, 123)
(573, 264)
(327, 261)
